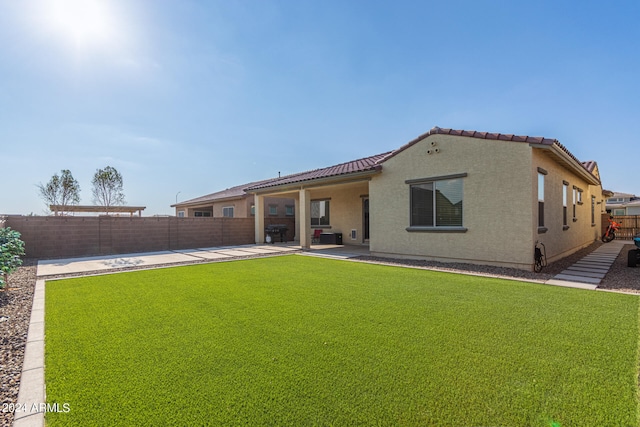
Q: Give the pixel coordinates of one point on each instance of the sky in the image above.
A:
(185, 98)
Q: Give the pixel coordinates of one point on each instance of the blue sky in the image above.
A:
(198, 96)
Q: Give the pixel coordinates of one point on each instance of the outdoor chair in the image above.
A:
(316, 236)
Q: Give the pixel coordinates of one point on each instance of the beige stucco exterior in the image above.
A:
(241, 207)
(346, 199)
(581, 230)
(500, 204)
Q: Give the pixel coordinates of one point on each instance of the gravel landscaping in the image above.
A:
(15, 312)
(15, 304)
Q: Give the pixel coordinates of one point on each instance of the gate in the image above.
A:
(629, 226)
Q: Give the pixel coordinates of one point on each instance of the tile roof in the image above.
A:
(374, 163)
(233, 192)
(589, 166)
(355, 166)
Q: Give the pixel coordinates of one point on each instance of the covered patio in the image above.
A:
(334, 199)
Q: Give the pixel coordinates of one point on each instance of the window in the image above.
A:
(593, 210)
(253, 210)
(575, 200)
(227, 212)
(273, 209)
(579, 196)
(201, 213)
(437, 203)
(181, 214)
(319, 212)
(619, 212)
(540, 199)
(565, 193)
(290, 210)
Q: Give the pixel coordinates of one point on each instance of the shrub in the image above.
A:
(11, 248)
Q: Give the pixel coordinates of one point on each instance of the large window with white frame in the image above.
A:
(436, 202)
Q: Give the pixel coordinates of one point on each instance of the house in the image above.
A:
(449, 195)
(622, 204)
(233, 202)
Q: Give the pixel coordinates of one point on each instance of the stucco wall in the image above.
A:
(500, 203)
(241, 207)
(496, 203)
(346, 209)
(582, 231)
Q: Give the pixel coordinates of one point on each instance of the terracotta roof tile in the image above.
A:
(489, 135)
(589, 165)
(372, 163)
(233, 192)
(360, 165)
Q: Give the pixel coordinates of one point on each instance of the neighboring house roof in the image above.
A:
(366, 164)
(623, 196)
(236, 192)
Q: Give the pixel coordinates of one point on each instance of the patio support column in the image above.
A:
(259, 218)
(305, 219)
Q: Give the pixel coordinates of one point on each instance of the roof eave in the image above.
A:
(330, 180)
(566, 160)
(207, 202)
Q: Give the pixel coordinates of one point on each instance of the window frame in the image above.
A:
(541, 199)
(327, 209)
(226, 209)
(565, 202)
(435, 228)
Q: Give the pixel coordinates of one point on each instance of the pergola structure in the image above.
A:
(97, 209)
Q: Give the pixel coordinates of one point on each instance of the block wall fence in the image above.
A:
(48, 237)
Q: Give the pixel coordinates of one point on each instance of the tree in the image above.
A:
(61, 190)
(11, 248)
(107, 188)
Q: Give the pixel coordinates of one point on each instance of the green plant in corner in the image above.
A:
(11, 248)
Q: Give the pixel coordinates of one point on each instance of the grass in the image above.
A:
(305, 341)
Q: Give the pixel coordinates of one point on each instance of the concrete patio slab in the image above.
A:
(234, 252)
(592, 274)
(571, 284)
(588, 268)
(109, 262)
(574, 278)
(210, 255)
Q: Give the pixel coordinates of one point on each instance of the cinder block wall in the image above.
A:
(62, 237)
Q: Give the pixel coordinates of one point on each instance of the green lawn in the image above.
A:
(299, 341)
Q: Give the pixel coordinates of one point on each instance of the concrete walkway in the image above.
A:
(150, 259)
(591, 269)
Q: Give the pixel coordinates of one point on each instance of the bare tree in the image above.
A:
(107, 188)
(61, 191)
